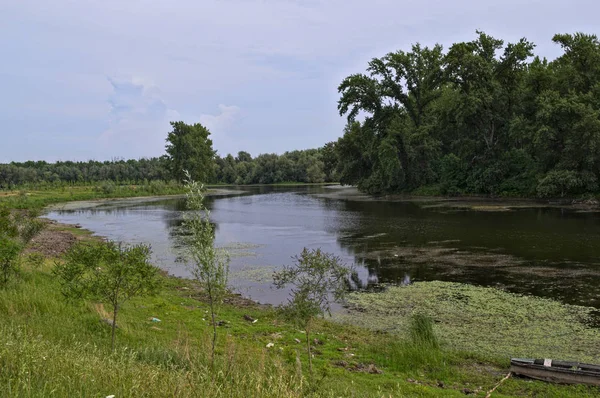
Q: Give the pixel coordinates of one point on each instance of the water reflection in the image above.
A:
(542, 251)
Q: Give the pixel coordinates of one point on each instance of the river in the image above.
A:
(543, 251)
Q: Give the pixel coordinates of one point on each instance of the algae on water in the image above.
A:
(258, 273)
(484, 320)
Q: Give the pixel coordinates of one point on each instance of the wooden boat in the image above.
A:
(561, 372)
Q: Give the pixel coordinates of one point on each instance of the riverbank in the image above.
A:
(60, 348)
(475, 203)
(28, 198)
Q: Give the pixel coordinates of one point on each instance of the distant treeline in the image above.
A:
(307, 166)
(297, 166)
(483, 117)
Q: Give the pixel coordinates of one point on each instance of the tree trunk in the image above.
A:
(309, 351)
(114, 326)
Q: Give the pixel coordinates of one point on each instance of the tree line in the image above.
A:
(484, 117)
(306, 166)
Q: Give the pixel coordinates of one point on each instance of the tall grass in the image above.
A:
(33, 366)
(421, 331)
(419, 353)
(39, 198)
(52, 347)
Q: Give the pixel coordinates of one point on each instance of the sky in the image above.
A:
(89, 79)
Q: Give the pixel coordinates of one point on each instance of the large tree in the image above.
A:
(396, 98)
(190, 148)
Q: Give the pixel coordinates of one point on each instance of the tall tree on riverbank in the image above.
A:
(396, 96)
(190, 148)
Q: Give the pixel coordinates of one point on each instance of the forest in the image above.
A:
(484, 117)
(303, 166)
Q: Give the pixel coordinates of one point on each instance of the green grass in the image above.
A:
(38, 199)
(51, 347)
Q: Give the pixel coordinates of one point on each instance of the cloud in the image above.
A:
(138, 118)
(221, 122)
(221, 127)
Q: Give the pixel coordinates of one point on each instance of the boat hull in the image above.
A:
(563, 374)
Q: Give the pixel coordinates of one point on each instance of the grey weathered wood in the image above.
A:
(561, 372)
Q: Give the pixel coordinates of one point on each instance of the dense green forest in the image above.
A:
(297, 166)
(483, 117)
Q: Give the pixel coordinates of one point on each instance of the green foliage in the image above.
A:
(44, 175)
(108, 272)
(558, 183)
(421, 331)
(189, 148)
(107, 187)
(210, 265)
(35, 260)
(17, 228)
(482, 118)
(9, 259)
(308, 166)
(317, 279)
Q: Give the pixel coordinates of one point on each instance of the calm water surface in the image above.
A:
(547, 252)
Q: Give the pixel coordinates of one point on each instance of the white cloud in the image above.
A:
(221, 122)
(138, 119)
(221, 126)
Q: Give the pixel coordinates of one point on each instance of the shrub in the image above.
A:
(107, 271)
(558, 183)
(318, 279)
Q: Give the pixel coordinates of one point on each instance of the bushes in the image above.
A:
(561, 183)
(453, 174)
(107, 187)
(16, 230)
(9, 259)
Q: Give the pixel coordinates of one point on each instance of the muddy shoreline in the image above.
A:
(87, 204)
(476, 203)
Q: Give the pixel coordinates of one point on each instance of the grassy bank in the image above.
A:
(51, 347)
(38, 199)
(55, 348)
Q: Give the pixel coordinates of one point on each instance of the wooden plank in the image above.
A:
(559, 364)
(555, 375)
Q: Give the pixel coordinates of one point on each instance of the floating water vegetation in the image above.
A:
(484, 320)
(254, 273)
(241, 249)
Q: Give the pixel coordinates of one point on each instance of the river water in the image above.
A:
(543, 251)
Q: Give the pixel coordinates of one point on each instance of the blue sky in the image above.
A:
(87, 79)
